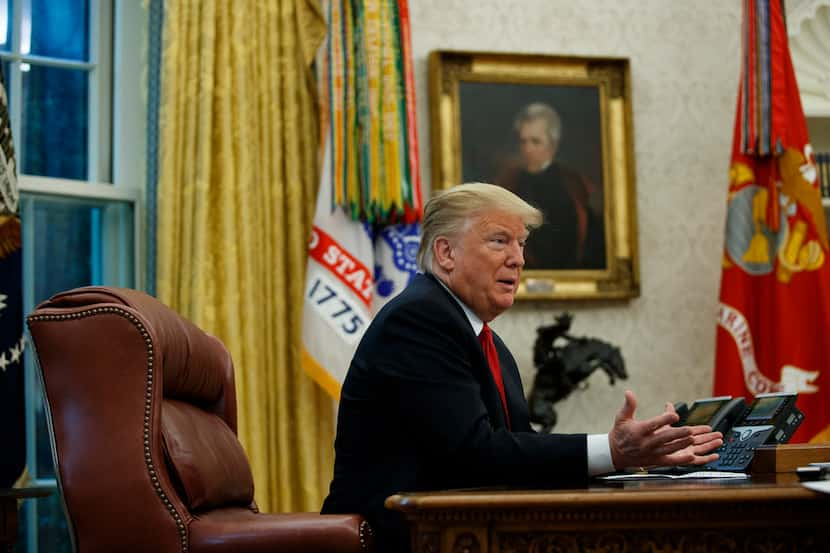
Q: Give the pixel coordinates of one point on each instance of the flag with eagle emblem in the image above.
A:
(775, 286)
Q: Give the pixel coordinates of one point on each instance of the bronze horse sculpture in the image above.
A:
(562, 363)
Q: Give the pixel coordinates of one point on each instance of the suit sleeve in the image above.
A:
(424, 362)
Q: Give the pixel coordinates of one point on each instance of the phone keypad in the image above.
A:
(739, 446)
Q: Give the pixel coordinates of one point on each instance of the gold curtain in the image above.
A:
(237, 181)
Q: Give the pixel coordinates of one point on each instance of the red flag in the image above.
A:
(775, 287)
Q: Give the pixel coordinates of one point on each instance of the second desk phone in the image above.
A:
(771, 419)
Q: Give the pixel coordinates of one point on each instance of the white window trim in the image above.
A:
(100, 108)
(76, 189)
(129, 116)
(67, 188)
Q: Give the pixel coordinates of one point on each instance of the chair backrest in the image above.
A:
(142, 414)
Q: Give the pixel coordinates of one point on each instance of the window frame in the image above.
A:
(99, 72)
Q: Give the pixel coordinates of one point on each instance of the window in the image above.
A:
(72, 70)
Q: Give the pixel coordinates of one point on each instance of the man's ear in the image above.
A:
(443, 254)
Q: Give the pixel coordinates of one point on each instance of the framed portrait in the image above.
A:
(557, 131)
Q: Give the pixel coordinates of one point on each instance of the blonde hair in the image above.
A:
(448, 212)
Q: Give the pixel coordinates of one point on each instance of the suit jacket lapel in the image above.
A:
(480, 366)
(513, 389)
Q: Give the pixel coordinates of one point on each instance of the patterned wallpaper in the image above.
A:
(685, 68)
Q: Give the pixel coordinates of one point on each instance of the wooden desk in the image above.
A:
(769, 513)
(9, 509)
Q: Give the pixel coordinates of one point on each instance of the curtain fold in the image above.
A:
(238, 172)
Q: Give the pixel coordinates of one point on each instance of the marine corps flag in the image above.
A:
(774, 312)
(12, 422)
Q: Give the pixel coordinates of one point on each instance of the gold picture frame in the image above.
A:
(484, 111)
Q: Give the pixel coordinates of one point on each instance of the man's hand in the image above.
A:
(654, 442)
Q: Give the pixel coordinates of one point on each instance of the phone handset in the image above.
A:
(718, 412)
(682, 411)
(728, 415)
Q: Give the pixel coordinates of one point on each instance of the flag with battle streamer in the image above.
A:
(775, 285)
(366, 227)
(12, 415)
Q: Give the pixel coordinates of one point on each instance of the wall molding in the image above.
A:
(808, 26)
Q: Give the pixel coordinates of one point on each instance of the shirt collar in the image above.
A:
(476, 323)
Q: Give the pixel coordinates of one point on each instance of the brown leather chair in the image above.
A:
(142, 413)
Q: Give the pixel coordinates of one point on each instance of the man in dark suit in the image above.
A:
(430, 402)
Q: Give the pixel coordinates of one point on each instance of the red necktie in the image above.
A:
(485, 338)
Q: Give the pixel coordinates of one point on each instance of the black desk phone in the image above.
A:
(770, 419)
(718, 412)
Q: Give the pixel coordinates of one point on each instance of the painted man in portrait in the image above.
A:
(572, 236)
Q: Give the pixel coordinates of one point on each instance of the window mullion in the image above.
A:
(47, 61)
(138, 270)
(15, 94)
(17, 17)
(53, 186)
(93, 167)
(100, 104)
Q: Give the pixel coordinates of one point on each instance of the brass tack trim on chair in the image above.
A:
(366, 535)
(148, 403)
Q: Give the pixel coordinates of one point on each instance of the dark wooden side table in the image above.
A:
(8, 511)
